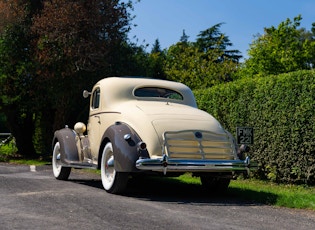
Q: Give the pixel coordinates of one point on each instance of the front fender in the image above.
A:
(125, 146)
(68, 148)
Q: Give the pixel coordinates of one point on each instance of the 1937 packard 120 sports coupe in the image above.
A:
(147, 126)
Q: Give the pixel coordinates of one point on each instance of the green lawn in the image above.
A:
(291, 196)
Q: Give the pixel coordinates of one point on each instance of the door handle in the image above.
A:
(99, 119)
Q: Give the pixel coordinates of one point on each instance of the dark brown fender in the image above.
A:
(68, 148)
(125, 151)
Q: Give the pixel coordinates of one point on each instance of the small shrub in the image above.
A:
(7, 150)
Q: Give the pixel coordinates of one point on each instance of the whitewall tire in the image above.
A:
(113, 181)
(60, 172)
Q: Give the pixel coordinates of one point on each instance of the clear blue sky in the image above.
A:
(165, 20)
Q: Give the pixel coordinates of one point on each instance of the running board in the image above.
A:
(79, 165)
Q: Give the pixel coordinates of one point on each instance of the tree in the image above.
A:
(134, 61)
(72, 38)
(184, 37)
(156, 61)
(17, 73)
(213, 39)
(156, 47)
(203, 63)
(49, 51)
(280, 50)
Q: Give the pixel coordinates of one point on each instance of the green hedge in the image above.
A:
(281, 109)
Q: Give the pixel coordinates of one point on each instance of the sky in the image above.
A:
(165, 20)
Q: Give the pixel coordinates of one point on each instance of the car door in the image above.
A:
(94, 123)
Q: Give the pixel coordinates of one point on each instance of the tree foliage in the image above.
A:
(280, 50)
(156, 61)
(203, 63)
(184, 37)
(212, 39)
(17, 72)
(49, 51)
(79, 33)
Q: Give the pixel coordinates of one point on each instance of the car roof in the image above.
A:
(122, 88)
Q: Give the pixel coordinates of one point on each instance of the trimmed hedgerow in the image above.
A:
(281, 109)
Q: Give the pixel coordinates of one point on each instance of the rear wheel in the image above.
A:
(113, 182)
(60, 172)
(215, 184)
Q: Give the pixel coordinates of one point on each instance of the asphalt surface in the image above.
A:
(31, 198)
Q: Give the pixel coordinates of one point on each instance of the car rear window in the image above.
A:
(157, 92)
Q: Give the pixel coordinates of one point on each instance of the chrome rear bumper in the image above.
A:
(165, 164)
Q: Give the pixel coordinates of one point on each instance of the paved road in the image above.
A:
(33, 199)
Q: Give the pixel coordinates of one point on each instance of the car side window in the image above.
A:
(157, 92)
(96, 99)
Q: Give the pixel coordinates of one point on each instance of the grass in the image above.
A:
(28, 162)
(291, 196)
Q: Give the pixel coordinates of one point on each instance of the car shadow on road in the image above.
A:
(168, 190)
(159, 189)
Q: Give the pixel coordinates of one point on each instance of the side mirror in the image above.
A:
(86, 94)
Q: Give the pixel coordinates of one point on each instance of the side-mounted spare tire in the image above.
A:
(60, 172)
(113, 181)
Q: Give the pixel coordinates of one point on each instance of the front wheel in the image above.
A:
(113, 182)
(60, 172)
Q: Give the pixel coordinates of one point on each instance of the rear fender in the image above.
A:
(68, 148)
(125, 146)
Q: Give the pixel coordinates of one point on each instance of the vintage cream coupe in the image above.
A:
(147, 126)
